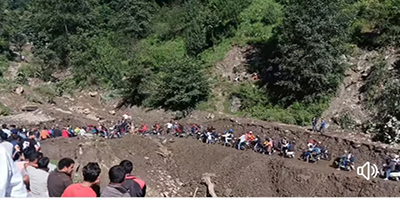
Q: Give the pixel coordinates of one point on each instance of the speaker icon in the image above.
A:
(367, 171)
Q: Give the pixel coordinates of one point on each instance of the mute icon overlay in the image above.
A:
(367, 171)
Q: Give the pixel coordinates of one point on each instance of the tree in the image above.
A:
(306, 63)
(131, 18)
(180, 86)
(54, 22)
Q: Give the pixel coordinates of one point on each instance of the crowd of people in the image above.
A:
(26, 172)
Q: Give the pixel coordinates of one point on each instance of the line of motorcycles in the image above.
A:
(279, 148)
(258, 147)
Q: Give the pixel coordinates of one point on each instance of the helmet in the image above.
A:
(251, 132)
(319, 142)
(230, 131)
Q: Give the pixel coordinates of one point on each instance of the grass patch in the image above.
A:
(217, 53)
(255, 103)
(4, 110)
(46, 92)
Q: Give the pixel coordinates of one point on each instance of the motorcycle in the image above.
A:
(259, 148)
(346, 165)
(308, 156)
(394, 175)
(288, 154)
(325, 155)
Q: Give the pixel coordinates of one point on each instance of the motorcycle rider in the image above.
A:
(156, 128)
(242, 140)
(347, 158)
(392, 165)
(143, 129)
(194, 129)
(268, 145)
(285, 146)
(311, 151)
(228, 136)
(292, 146)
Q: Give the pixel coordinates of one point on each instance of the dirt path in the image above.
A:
(238, 173)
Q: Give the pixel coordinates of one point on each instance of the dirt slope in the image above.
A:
(350, 100)
(178, 172)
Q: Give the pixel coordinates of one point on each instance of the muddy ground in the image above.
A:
(174, 166)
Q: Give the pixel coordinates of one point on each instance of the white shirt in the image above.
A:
(38, 182)
(6, 131)
(9, 147)
(209, 136)
(125, 116)
(11, 181)
(169, 125)
(242, 138)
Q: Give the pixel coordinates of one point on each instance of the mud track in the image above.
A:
(174, 166)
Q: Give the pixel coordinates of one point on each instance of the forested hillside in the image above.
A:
(160, 53)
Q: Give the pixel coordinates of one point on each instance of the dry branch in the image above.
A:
(210, 186)
(195, 191)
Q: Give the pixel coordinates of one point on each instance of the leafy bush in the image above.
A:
(181, 85)
(4, 110)
(255, 103)
(257, 21)
(46, 92)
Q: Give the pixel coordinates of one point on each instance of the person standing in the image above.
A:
(11, 181)
(314, 124)
(115, 188)
(91, 174)
(38, 176)
(136, 187)
(323, 126)
(60, 178)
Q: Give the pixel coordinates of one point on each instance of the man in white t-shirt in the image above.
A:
(38, 178)
(169, 127)
(126, 116)
(11, 181)
(242, 141)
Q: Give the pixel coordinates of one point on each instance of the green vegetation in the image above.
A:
(4, 110)
(159, 53)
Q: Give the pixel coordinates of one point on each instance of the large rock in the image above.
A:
(86, 111)
(93, 94)
(112, 112)
(93, 117)
(236, 103)
(19, 90)
(29, 108)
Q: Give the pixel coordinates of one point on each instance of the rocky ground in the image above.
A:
(175, 166)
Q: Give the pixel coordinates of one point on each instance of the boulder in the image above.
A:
(93, 94)
(112, 112)
(93, 117)
(86, 111)
(19, 90)
(236, 103)
(29, 108)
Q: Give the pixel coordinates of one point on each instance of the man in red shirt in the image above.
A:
(91, 174)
